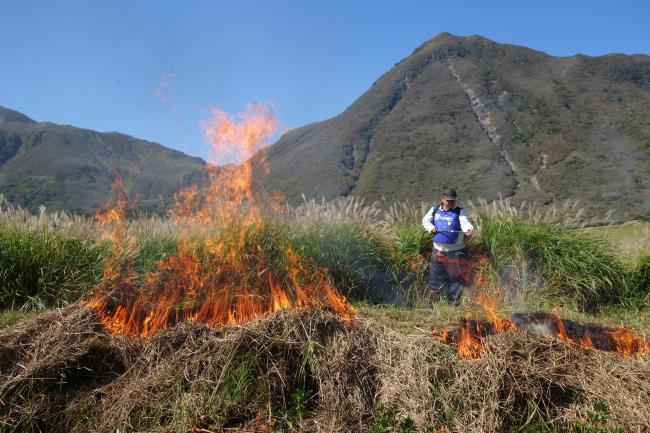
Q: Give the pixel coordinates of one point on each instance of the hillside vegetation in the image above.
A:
(491, 119)
(67, 168)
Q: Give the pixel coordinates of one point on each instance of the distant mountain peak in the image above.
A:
(64, 167)
(492, 119)
(7, 115)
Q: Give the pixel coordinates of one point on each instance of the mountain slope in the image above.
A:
(63, 167)
(489, 119)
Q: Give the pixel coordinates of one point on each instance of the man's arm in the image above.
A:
(427, 221)
(465, 225)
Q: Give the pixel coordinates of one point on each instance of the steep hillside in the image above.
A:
(489, 119)
(63, 167)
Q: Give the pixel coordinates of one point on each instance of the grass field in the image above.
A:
(293, 371)
(52, 260)
(630, 239)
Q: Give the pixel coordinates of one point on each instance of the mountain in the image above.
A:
(486, 118)
(489, 119)
(63, 167)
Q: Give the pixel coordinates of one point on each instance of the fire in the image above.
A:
(585, 340)
(442, 336)
(557, 327)
(468, 337)
(469, 345)
(498, 323)
(627, 342)
(235, 143)
(238, 266)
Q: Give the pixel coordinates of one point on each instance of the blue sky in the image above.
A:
(152, 69)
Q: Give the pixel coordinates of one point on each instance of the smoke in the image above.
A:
(163, 90)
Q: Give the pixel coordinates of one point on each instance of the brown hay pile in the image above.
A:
(309, 369)
(63, 372)
(521, 379)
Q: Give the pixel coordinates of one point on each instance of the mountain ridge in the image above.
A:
(507, 114)
(490, 119)
(67, 168)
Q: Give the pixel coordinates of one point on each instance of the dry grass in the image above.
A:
(62, 372)
(307, 370)
(566, 214)
(15, 218)
(381, 216)
(343, 210)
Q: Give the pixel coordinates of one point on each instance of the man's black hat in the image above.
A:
(449, 194)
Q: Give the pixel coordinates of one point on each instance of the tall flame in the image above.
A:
(224, 275)
(235, 143)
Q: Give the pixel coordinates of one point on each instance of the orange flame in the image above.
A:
(558, 327)
(499, 323)
(585, 340)
(627, 342)
(468, 337)
(469, 346)
(442, 336)
(235, 143)
(225, 276)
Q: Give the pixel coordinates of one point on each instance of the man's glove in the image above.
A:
(433, 231)
(469, 233)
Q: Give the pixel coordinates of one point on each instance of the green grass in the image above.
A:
(573, 265)
(40, 268)
(630, 240)
(356, 258)
(367, 255)
(639, 279)
(9, 317)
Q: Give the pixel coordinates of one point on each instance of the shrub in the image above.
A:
(573, 264)
(640, 280)
(355, 258)
(40, 268)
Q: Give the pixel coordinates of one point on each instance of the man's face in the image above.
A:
(448, 203)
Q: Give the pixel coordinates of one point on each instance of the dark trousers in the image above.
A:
(445, 271)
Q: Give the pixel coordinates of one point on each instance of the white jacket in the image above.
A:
(465, 226)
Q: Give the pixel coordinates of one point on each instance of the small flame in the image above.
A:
(585, 340)
(468, 337)
(627, 342)
(443, 335)
(490, 307)
(557, 326)
(469, 346)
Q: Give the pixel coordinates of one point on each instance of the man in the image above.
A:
(449, 225)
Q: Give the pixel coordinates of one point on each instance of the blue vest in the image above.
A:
(447, 224)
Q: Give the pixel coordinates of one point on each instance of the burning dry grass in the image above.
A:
(365, 248)
(307, 370)
(63, 372)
